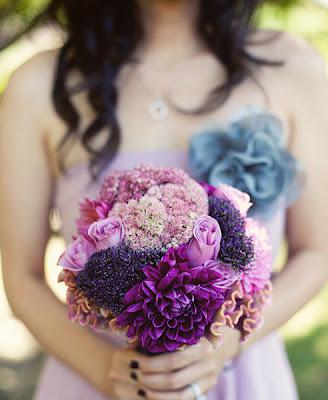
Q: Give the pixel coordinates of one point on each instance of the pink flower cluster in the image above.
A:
(258, 275)
(122, 186)
(157, 206)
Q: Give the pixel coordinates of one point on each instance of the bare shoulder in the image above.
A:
(37, 72)
(301, 76)
(296, 53)
(31, 83)
(26, 107)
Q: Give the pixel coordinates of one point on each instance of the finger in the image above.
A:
(133, 359)
(178, 379)
(173, 361)
(124, 374)
(205, 384)
(128, 392)
(126, 364)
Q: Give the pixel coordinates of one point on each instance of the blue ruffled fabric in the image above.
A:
(249, 154)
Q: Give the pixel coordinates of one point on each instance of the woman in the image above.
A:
(124, 56)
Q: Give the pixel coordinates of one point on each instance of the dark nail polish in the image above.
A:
(133, 375)
(141, 393)
(134, 364)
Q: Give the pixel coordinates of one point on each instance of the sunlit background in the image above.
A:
(306, 334)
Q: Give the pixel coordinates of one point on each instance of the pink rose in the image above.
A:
(106, 233)
(91, 211)
(206, 242)
(76, 255)
(239, 199)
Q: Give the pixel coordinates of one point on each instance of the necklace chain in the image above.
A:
(158, 109)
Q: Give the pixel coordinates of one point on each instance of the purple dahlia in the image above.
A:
(175, 304)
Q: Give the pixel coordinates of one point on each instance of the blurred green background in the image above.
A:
(306, 334)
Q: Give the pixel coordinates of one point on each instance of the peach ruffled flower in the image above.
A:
(242, 310)
(80, 309)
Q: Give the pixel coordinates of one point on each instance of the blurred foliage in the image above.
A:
(16, 16)
(307, 346)
(302, 17)
(309, 357)
(23, 8)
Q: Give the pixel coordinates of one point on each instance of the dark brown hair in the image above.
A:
(101, 37)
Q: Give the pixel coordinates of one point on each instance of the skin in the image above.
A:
(297, 93)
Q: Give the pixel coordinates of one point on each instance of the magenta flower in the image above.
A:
(257, 277)
(175, 303)
(205, 244)
(226, 276)
(91, 211)
(209, 189)
(106, 233)
(76, 254)
(164, 217)
(239, 199)
(123, 186)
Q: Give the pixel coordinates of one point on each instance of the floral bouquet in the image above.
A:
(166, 260)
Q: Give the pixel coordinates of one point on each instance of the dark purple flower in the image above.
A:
(110, 273)
(236, 248)
(175, 304)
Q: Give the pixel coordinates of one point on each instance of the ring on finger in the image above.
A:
(195, 388)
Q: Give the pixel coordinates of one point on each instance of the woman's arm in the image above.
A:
(306, 271)
(26, 190)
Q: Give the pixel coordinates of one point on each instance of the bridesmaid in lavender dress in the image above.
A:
(138, 63)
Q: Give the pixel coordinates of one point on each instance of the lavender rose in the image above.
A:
(239, 199)
(205, 244)
(106, 233)
(76, 255)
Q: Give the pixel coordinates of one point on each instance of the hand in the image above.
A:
(120, 382)
(168, 376)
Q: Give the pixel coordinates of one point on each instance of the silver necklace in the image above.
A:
(159, 108)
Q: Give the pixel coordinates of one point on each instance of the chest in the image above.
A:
(186, 89)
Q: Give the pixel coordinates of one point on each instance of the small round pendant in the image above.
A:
(158, 110)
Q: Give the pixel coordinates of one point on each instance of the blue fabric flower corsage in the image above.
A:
(249, 154)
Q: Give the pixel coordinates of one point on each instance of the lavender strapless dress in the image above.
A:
(260, 373)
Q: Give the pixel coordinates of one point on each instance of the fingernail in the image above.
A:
(141, 393)
(133, 375)
(134, 364)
